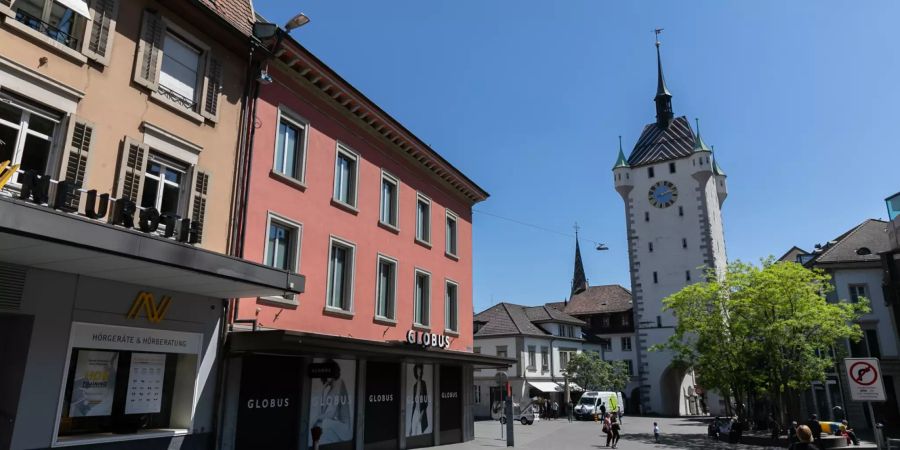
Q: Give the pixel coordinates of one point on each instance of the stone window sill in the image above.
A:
(180, 109)
(389, 227)
(385, 321)
(279, 301)
(425, 244)
(44, 40)
(346, 207)
(288, 180)
(337, 312)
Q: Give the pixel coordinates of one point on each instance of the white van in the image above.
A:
(589, 404)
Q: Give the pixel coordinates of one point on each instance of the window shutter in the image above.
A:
(213, 88)
(74, 166)
(198, 202)
(149, 53)
(99, 32)
(132, 165)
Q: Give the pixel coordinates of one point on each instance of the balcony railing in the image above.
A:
(45, 28)
(179, 99)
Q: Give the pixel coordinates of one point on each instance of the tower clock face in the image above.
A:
(663, 194)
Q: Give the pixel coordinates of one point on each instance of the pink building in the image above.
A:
(381, 227)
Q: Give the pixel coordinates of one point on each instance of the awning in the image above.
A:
(546, 386)
(79, 7)
(38, 236)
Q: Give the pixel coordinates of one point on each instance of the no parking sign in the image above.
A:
(864, 378)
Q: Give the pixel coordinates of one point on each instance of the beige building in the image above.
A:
(137, 99)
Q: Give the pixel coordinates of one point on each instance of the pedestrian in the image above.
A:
(570, 409)
(712, 431)
(845, 429)
(775, 427)
(656, 432)
(792, 433)
(555, 408)
(614, 425)
(804, 440)
(815, 428)
(607, 429)
(602, 410)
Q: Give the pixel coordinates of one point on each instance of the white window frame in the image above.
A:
(183, 188)
(298, 233)
(184, 35)
(854, 287)
(23, 130)
(545, 359)
(353, 190)
(420, 197)
(416, 311)
(296, 120)
(393, 221)
(79, 26)
(532, 358)
(448, 282)
(380, 257)
(448, 216)
(625, 339)
(332, 241)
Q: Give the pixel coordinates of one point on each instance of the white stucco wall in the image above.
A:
(881, 318)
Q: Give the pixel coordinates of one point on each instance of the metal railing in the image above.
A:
(177, 98)
(45, 28)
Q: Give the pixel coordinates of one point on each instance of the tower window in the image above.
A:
(687, 275)
(627, 177)
(655, 278)
(683, 242)
(681, 210)
(671, 167)
(650, 172)
(650, 245)
(646, 216)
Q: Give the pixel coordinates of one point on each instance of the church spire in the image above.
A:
(621, 161)
(663, 98)
(579, 280)
(699, 145)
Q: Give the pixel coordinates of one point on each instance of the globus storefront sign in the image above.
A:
(37, 188)
(427, 339)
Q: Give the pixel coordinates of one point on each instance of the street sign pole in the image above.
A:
(866, 385)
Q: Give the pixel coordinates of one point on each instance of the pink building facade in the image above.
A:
(377, 350)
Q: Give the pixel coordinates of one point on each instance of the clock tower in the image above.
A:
(673, 191)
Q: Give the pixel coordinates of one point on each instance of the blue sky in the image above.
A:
(800, 99)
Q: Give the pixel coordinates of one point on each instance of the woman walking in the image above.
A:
(607, 428)
(615, 427)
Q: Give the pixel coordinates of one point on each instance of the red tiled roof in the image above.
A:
(238, 13)
(597, 299)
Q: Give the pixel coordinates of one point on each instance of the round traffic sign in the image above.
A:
(863, 373)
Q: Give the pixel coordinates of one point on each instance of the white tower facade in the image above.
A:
(673, 192)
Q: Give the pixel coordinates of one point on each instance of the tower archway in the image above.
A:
(672, 384)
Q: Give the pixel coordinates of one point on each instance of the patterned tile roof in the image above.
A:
(860, 244)
(657, 144)
(543, 314)
(597, 299)
(238, 13)
(508, 318)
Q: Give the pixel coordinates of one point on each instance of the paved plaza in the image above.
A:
(637, 433)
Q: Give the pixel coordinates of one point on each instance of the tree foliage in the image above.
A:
(765, 329)
(591, 372)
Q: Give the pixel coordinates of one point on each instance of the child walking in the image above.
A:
(656, 432)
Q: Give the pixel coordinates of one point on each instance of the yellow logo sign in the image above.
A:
(6, 172)
(154, 311)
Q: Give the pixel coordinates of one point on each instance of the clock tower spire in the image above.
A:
(663, 99)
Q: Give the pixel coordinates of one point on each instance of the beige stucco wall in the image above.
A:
(117, 106)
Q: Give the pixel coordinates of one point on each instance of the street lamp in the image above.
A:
(296, 22)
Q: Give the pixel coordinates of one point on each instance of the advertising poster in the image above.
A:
(145, 383)
(269, 406)
(419, 404)
(331, 403)
(94, 384)
(382, 405)
(451, 404)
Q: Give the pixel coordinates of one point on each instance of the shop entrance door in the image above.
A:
(15, 336)
(451, 404)
(382, 405)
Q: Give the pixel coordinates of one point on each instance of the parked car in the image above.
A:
(589, 404)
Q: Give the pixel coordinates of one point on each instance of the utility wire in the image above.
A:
(537, 227)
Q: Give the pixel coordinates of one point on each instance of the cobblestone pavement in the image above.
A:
(637, 433)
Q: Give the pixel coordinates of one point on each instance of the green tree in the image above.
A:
(589, 371)
(761, 330)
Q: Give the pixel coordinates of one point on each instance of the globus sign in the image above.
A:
(426, 339)
(36, 189)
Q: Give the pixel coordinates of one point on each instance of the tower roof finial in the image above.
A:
(661, 88)
(663, 99)
(621, 161)
(699, 145)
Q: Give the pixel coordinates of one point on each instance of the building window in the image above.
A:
(340, 275)
(476, 389)
(180, 68)
(27, 134)
(52, 19)
(532, 357)
(451, 306)
(346, 171)
(390, 199)
(422, 298)
(386, 288)
(564, 357)
(687, 275)
(671, 167)
(872, 342)
(646, 216)
(683, 242)
(650, 246)
(858, 291)
(650, 173)
(501, 351)
(423, 219)
(476, 350)
(282, 244)
(451, 233)
(606, 345)
(626, 320)
(163, 185)
(655, 278)
(545, 359)
(681, 210)
(626, 344)
(629, 366)
(290, 147)
(604, 321)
